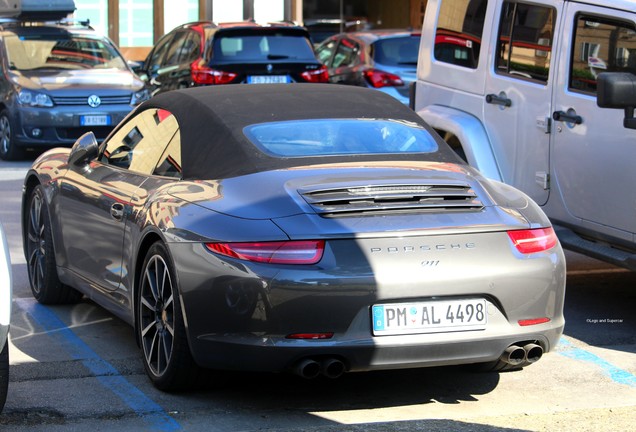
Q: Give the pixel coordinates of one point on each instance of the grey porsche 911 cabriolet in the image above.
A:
(315, 229)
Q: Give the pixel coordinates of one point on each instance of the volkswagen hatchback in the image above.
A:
(59, 82)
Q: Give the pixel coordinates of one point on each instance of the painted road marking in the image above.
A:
(616, 374)
(105, 373)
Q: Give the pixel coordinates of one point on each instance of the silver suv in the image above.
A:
(513, 86)
(58, 82)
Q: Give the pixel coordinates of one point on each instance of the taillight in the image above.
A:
(203, 75)
(283, 252)
(533, 240)
(378, 78)
(327, 335)
(320, 75)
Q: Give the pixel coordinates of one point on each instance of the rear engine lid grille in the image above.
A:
(390, 199)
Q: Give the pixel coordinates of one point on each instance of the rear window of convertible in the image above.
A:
(327, 137)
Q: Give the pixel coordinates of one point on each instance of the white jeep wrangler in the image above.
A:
(540, 94)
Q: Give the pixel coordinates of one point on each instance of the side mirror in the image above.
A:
(618, 90)
(84, 150)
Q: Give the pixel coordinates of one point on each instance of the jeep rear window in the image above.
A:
(459, 29)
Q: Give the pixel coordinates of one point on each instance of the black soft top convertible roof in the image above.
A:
(211, 121)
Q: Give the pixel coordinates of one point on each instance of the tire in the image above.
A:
(8, 149)
(160, 328)
(45, 284)
(4, 373)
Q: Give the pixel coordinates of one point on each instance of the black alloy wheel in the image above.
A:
(166, 354)
(8, 149)
(45, 284)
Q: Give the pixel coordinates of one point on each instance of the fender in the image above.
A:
(471, 134)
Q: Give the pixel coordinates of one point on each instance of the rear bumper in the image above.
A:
(253, 353)
(239, 315)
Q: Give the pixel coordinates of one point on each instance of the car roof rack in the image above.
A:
(36, 10)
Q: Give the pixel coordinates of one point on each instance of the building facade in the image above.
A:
(135, 25)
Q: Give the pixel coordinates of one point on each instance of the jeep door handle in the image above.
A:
(117, 211)
(567, 117)
(498, 100)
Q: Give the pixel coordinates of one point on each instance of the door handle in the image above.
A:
(117, 211)
(501, 100)
(567, 117)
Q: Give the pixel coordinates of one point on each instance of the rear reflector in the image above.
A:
(284, 252)
(533, 240)
(533, 321)
(328, 335)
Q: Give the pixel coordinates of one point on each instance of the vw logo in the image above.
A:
(94, 101)
(269, 68)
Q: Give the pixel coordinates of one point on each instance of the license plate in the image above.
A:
(429, 317)
(268, 79)
(95, 120)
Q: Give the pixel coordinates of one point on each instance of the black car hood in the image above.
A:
(58, 79)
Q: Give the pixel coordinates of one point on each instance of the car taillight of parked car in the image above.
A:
(320, 75)
(278, 252)
(378, 78)
(533, 240)
(203, 75)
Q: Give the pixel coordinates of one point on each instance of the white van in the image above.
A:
(513, 85)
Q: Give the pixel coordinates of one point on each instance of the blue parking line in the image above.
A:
(105, 373)
(616, 374)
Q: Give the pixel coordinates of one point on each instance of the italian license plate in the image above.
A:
(268, 79)
(429, 317)
(95, 120)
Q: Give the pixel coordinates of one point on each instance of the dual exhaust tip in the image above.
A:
(332, 367)
(309, 368)
(516, 355)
